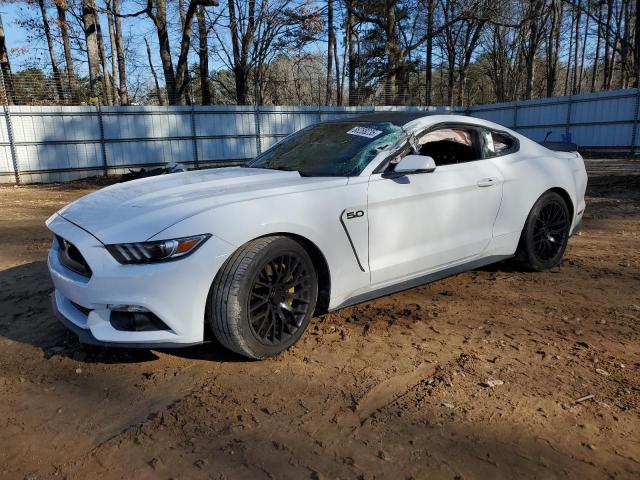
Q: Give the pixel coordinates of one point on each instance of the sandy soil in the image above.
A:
(394, 388)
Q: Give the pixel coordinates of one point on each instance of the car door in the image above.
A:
(425, 222)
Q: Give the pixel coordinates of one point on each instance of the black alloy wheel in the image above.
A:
(263, 297)
(280, 298)
(545, 234)
(550, 230)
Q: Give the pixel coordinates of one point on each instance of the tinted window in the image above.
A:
(339, 149)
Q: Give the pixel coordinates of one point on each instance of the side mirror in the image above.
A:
(412, 164)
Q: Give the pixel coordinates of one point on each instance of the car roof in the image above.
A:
(397, 118)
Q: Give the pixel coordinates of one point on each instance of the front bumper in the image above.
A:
(85, 336)
(176, 292)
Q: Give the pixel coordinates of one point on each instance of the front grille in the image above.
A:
(70, 257)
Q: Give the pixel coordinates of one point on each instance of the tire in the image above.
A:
(263, 297)
(545, 234)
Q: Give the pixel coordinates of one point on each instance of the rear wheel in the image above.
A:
(263, 298)
(546, 233)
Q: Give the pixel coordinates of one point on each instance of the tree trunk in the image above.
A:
(336, 61)
(203, 54)
(52, 56)
(93, 56)
(392, 52)
(106, 78)
(5, 66)
(114, 59)
(429, 54)
(241, 44)
(636, 53)
(153, 73)
(122, 72)
(607, 44)
(596, 61)
(331, 40)
(614, 48)
(162, 30)
(624, 45)
(450, 81)
(576, 37)
(584, 46)
(182, 73)
(353, 61)
(553, 46)
(181, 13)
(568, 72)
(535, 33)
(61, 7)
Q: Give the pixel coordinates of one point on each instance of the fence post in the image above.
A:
(258, 129)
(7, 116)
(103, 147)
(194, 137)
(515, 116)
(568, 120)
(634, 134)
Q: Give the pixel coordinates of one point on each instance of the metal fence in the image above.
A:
(55, 144)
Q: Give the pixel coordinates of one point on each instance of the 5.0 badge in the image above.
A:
(356, 214)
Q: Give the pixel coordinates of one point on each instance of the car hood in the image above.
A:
(137, 210)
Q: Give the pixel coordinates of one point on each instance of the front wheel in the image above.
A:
(545, 234)
(263, 297)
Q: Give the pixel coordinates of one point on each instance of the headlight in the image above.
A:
(159, 251)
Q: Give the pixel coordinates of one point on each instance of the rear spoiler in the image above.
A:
(560, 146)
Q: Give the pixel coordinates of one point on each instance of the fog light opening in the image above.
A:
(127, 308)
(136, 321)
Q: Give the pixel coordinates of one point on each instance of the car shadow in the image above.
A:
(510, 265)
(26, 317)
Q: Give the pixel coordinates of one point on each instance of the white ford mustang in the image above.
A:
(335, 214)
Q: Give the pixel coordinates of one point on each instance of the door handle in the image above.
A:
(487, 182)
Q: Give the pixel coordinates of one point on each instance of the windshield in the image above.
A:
(340, 149)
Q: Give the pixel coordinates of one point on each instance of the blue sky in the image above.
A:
(15, 35)
(136, 30)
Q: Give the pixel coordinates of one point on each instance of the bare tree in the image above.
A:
(153, 74)
(430, 4)
(553, 44)
(122, 69)
(114, 57)
(93, 55)
(52, 55)
(203, 55)
(331, 44)
(531, 39)
(260, 31)
(5, 67)
(63, 25)
(352, 41)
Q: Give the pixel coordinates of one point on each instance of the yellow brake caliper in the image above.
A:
(291, 291)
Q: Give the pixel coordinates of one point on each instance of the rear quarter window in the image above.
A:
(500, 143)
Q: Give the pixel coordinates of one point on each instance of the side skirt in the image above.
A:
(415, 282)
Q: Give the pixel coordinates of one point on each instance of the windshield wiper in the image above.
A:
(281, 169)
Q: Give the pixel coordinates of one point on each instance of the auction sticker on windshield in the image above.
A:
(364, 132)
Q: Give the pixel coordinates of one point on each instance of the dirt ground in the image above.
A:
(393, 388)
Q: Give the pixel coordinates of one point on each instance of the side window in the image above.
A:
(449, 145)
(499, 143)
